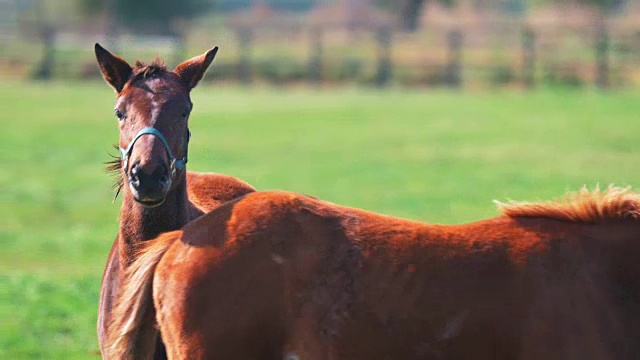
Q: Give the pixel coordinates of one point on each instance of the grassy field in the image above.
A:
(430, 155)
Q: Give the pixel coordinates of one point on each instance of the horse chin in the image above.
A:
(148, 201)
(149, 204)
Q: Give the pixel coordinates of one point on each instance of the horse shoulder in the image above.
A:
(200, 269)
(243, 255)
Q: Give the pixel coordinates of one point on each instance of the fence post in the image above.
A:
(383, 73)
(528, 57)
(245, 38)
(602, 56)
(454, 65)
(45, 69)
(315, 60)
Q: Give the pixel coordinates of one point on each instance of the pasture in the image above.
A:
(435, 156)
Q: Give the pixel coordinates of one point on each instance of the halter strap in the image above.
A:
(176, 164)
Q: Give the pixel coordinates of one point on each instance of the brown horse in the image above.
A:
(159, 195)
(277, 275)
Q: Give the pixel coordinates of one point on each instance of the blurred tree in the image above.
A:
(604, 5)
(410, 11)
(156, 15)
(92, 7)
(514, 7)
(147, 16)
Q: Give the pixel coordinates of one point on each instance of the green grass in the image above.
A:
(435, 156)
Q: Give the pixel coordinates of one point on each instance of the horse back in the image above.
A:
(504, 287)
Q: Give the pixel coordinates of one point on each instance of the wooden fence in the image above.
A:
(498, 53)
(506, 55)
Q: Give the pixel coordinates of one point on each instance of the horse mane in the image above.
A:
(143, 71)
(582, 206)
(131, 334)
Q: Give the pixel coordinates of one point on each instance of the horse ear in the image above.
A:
(115, 70)
(192, 70)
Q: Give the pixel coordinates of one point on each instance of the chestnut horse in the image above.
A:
(152, 109)
(276, 275)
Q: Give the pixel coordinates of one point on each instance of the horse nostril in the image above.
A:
(134, 169)
(164, 180)
(134, 179)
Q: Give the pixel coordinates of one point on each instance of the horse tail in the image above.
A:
(132, 333)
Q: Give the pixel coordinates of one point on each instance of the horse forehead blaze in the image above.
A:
(154, 102)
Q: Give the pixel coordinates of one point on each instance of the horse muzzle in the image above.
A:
(149, 187)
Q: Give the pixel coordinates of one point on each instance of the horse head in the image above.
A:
(152, 108)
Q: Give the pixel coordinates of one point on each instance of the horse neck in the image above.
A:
(619, 240)
(138, 223)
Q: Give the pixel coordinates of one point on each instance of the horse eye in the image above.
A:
(185, 115)
(120, 115)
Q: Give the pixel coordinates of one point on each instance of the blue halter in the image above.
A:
(176, 164)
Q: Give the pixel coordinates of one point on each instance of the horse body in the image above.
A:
(159, 195)
(206, 191)
(280, 275)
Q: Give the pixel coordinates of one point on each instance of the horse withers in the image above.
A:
(152, 110)
(277, 275)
